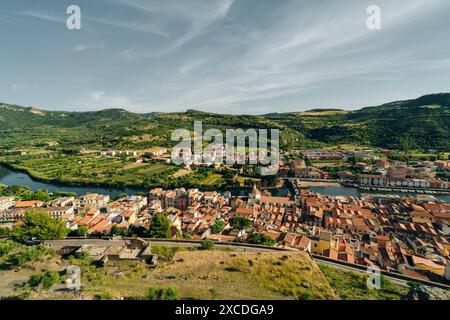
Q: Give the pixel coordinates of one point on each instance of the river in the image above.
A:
(11, 177)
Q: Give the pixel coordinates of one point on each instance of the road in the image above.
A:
(59, 244)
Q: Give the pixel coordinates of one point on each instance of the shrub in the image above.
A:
(166, 253)
(25, 255)
(104, 296)
(157, 293)
(413, 284)
(80, 232)
(207, 244)
(171, 293)
(4, 231)
(258, 238)
(6, 247)
(305, 296)
(47, 279)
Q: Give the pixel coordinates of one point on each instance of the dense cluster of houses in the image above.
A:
(299, 169)
(321, 155)
(398, 174)
(398, 234)
(372, 171)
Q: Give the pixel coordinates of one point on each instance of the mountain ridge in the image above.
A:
(190, 109)
(422, 123)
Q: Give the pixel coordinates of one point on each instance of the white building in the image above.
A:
(6, 203)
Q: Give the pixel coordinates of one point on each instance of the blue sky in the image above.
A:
(228, 56)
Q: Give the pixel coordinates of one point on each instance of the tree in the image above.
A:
(308, 162)
(41, 226)
(240, 222)
(118, 231)
(138, 231)
(218, 226)
(160, 227)
(41, 195)
(258, 238)
(80, 232)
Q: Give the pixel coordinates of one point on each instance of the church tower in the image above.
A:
(255, 195)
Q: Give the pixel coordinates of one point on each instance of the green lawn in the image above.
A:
(353, 286)
(211, 179)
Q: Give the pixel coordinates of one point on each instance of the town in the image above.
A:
(407, 235)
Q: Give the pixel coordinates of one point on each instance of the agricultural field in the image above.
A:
(88, 169)
(241, 180)
(211, 179)
(93, 169)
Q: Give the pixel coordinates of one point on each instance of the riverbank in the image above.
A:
(64, 182)
(14, 177)
(11, 177)
(105, 183)
(307, 184)
(400, 189)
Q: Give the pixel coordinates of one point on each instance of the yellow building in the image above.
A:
(428, 265)
(323, 242)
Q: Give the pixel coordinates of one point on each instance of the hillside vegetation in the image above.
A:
(423, 123)
(194, 274)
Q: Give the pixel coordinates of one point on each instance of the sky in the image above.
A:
(224, 56)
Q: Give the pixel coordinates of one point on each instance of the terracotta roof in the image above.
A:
(28, 204)
(280, 200)
(304, 242)
(330, 253)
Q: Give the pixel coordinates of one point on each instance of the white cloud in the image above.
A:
(99, 99)
(43, 15)
(79, 47)
(82, 47)
(227, 55)
(17, 86)
(96, 95)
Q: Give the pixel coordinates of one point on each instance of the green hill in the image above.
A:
(422, 123)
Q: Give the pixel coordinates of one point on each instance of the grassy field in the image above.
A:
(353, 286)
(211, 179)
(195, 274)
(181, 173)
